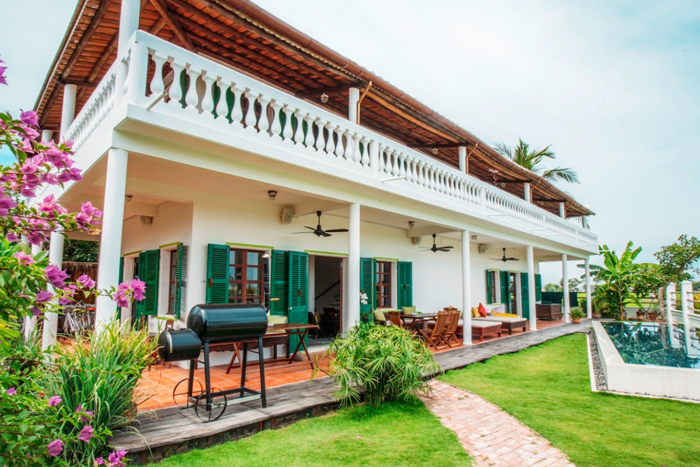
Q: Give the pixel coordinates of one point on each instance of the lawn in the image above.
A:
(390, 435)
(547, 387)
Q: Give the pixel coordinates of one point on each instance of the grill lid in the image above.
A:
(229, 322)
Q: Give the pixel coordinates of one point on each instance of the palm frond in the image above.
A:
(561, 173)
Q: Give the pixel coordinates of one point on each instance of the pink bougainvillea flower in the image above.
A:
(24, 258)
(86, 414)
(29, 117)
(86, 434)
(55, 448)
(35, 311)
(115, 458)
(44, 296)
(12, 237)
(99, 461)
(86, 281)
(139, 288)
(3, 78)
(55, 400)
(11, 391)
(121, 296)
(55, 276)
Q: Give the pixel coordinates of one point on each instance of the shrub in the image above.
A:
(100, 373)
(576, 313)
(382, 363)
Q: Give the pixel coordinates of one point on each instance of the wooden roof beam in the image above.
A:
(85, 39)
(162, 8)
(79, 83)
(438, 146)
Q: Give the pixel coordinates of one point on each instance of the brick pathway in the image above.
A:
(491, 436)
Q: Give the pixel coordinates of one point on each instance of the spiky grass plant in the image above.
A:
(383, 363)
(100, 372)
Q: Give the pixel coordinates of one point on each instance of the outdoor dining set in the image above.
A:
(444, 329)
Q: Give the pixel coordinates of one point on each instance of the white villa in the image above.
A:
(211, 133)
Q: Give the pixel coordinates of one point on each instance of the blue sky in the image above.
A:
(611, 85)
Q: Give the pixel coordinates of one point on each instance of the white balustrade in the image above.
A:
(198, 88)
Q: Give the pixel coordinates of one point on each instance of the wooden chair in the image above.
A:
(436, 335)
(450, 334)
(395, 320)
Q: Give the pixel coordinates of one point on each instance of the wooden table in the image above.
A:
(418, 318)
(481, 328)
(274, 331)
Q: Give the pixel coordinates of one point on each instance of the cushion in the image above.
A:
(409, 310)
(475, 312)
(505, 315)
(497, 309)
(276, 319)
(482, 310)
(379, 315)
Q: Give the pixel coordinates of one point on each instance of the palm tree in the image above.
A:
(532, 158)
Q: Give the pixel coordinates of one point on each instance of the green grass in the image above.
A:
(389, 435)
(547, 387)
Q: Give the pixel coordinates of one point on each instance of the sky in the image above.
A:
(612, 86)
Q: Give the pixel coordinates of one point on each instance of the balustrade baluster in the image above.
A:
(222, 105)
(175, 91)
(287, 131)
(208, 98)
(157, 85)
(237, 111)
(365, 159)
(250, 117)
(321, 138)
(339, 149)
(309, 133)
(191, 97)
(264, 120)
(275, 124)
(349, 146)
(330, 141)
(381, 161)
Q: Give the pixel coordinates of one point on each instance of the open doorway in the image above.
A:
(327, 298)
(514, 293)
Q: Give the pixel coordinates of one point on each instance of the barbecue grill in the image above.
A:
(215, 324)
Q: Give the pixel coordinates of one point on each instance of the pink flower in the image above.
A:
(24, 258)
(55, 276)
(55, 447)
(115, 458)
(121, 296)
(35, 311)
(99, 461)
(86, 281)
(139, 288)
(87, 413)
(86, 434)
(29, 117)
(3, 78)
(54, 401)
(12, 237)
(11, 391)
(44, 296)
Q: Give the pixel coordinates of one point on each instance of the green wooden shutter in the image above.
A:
(538, 287)
(505, 286)
(368, 285)
(524, 289)
(298, 291)
(405, 284)
(489, 287)
(179, 260)
(278, 282)
(149, 272)
(120, 279)
(217, 273)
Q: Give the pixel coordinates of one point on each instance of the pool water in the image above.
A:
(654, 344)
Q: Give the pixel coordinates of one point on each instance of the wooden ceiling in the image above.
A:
(242, 35)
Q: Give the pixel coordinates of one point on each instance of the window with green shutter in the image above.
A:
(404, 284)
(176, 282)
(491, 285)
(298, 290)
(149, 272)
(217, 273)
(505, 291)
(525, 296)
(538, 287)
(278, 282)
(368, 268)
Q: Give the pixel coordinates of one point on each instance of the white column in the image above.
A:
(670, 297)
(589, 302)
(51, 319)
(353, 99)
(686, 307)
(46, 136)
(68, 112)
(531, 292)
(138, 68)
(111, 240)
(565, 287)
(128, 23)
(30, 321)
(562, 210)
(351, 314)
(527, 196)
(466, 291)
(462, 153)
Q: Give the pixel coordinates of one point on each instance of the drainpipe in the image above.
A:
(68, 112)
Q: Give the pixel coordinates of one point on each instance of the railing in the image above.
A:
(94, 110)
(194, 87)
(689, 311)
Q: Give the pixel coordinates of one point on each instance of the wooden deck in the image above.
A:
(172, 430)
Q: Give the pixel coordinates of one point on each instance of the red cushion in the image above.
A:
(482, 310)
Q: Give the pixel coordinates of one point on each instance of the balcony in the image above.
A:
(168, 86)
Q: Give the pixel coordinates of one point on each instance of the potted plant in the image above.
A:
(576, 314)
(654, 312)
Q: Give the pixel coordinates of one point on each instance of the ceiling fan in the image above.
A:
(436, 248)
(504, 259)
(318, 231)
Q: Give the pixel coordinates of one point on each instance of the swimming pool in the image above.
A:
(649, 359)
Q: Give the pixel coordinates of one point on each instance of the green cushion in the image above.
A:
(379, 315)
(276, 319)
(409, 310)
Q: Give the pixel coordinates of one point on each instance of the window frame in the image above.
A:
(495, 286)
(382, 282)
(243, 282)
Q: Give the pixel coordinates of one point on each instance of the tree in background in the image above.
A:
(531, 159)
(84, 251)
(552, 288)
(676, 260)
